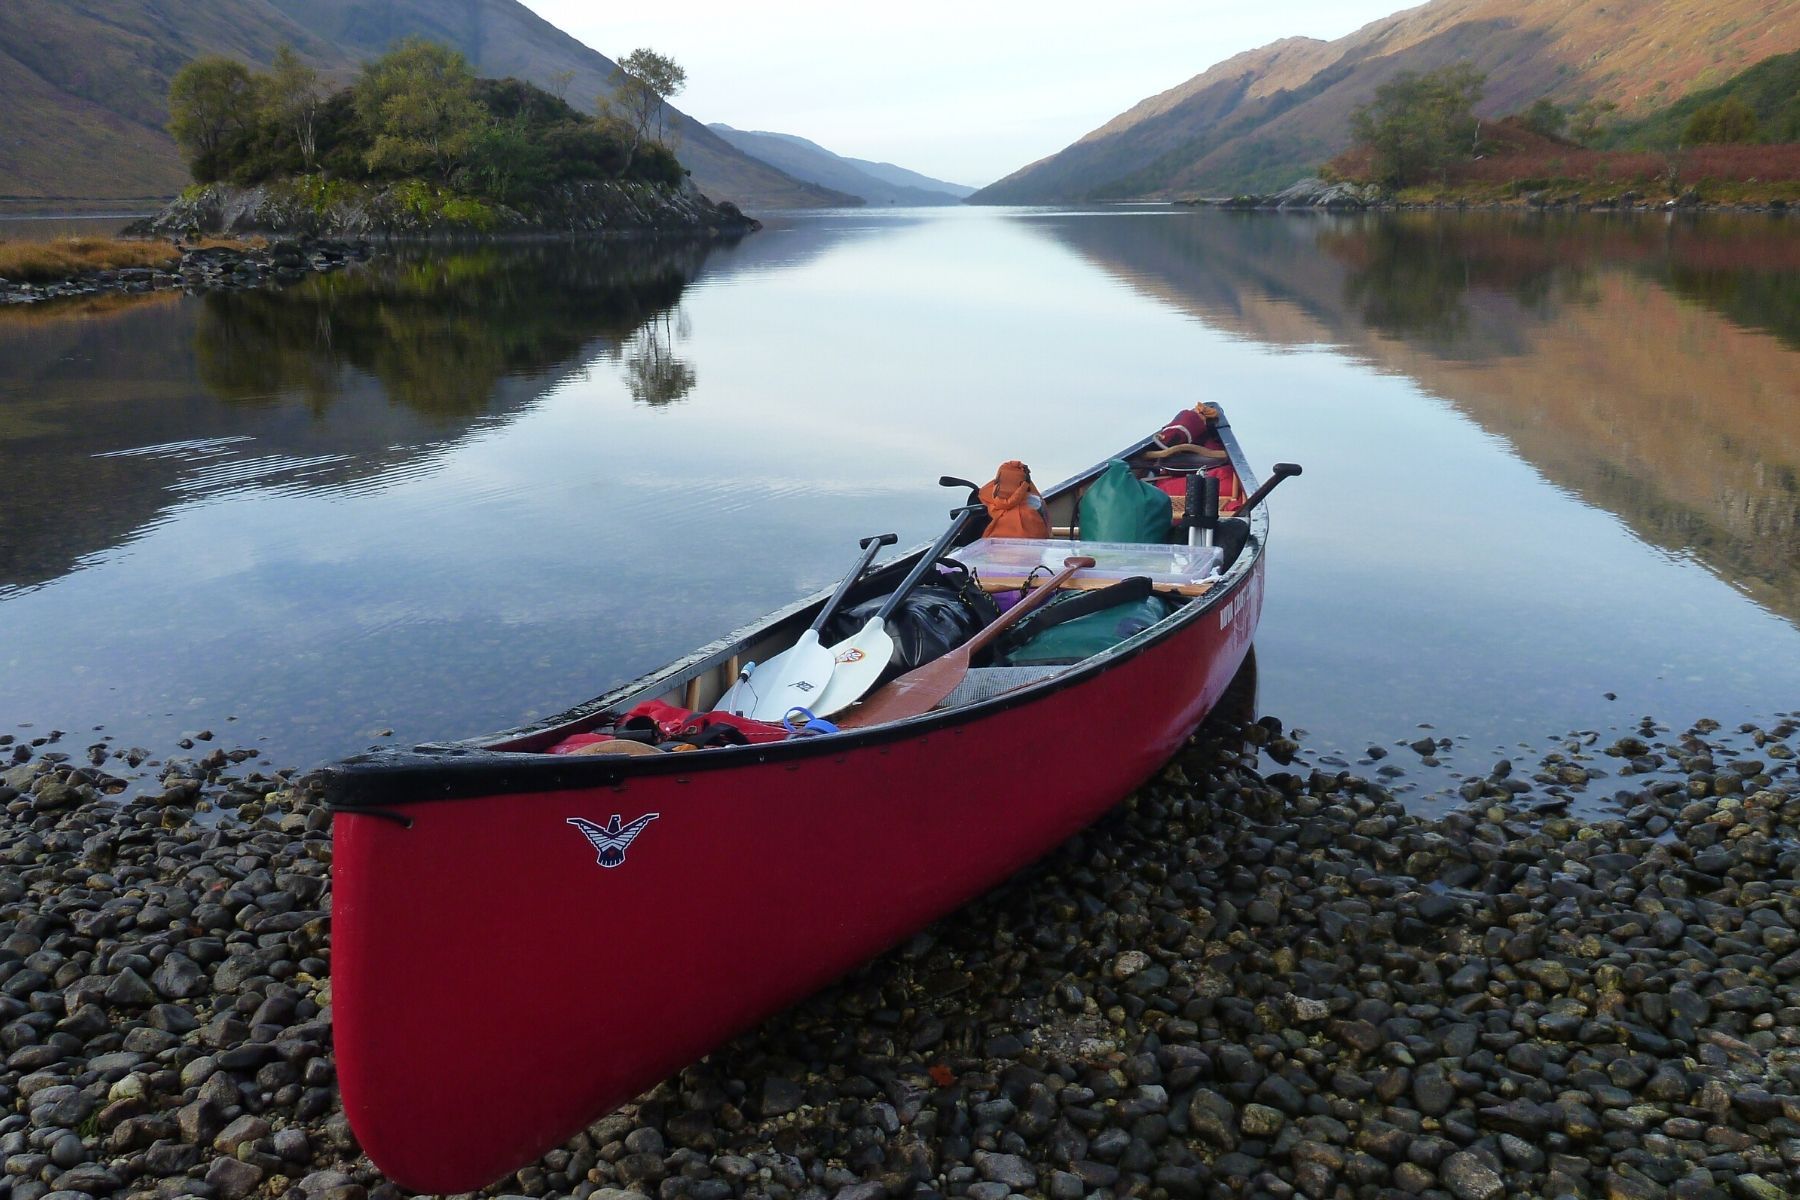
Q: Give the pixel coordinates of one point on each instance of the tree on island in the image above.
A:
(211, 102)
(1418, 124)
(645, 81)
(419, 101)
(294, 95)
(416, 115)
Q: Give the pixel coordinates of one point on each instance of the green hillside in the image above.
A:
(1264, 118)
(1771, 88)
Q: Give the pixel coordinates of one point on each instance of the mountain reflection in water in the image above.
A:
(1683, 420)
(1548, 461)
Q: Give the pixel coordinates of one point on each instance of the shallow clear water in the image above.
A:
(1545, 461)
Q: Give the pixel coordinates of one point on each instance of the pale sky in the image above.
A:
(965, 91)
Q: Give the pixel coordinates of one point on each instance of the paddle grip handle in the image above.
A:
(870, 547)
(1278, 473)
(928, 559)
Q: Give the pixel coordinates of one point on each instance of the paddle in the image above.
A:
(1280, 472)
(863, 656)
(923, 688)
(802, 668)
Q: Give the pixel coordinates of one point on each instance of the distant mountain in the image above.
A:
(85, 83)
(876, 183)
(503, 37)
(1257, 122)
(901, 177)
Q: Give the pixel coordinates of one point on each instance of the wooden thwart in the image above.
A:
(1006, 583)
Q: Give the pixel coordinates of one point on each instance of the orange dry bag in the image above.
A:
(1013, 504)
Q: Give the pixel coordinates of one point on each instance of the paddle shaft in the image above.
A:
(864, 655)
(928, 560)
(920, 689)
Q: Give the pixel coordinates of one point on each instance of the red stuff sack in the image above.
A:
(1190, 427)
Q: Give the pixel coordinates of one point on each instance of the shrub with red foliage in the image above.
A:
(1515, 153)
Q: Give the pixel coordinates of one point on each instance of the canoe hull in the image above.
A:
(499, 983)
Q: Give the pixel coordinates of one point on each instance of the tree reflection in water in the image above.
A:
(652, 372)
(439, 330)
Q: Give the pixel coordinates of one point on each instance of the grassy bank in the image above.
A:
(67, 258)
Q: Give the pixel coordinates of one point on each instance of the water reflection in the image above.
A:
(653, 372)
(439, 332)
(1643, 364)
(119, 408)
(458, 491)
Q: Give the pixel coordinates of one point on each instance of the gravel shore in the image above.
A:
(1250, 980)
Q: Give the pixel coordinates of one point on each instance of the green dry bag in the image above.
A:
(1079, 625)
(1120, 508)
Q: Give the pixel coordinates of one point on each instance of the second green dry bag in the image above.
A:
(1118, 507)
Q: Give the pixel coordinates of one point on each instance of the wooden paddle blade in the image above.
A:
(919, 690)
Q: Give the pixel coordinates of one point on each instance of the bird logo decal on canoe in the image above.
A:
(612, 839)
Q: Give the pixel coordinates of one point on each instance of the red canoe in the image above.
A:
(523, 941)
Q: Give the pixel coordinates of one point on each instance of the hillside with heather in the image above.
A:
(1257, 122)
(85, 84)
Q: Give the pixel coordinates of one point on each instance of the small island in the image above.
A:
(292, 177)
(418, 146)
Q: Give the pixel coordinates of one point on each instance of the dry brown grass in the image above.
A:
(63, 258)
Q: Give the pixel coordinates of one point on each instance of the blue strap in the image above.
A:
(809, 724)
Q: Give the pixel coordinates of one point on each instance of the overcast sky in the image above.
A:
(963, 90)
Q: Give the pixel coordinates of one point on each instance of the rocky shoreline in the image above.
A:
(1317, 194)
(204, 269)
(1247, 981)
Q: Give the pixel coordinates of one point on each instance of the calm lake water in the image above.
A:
(1552, 465)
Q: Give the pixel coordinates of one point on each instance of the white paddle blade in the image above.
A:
(805, 670)
(858, 662)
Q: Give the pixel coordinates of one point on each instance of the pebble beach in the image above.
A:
(1257, 977)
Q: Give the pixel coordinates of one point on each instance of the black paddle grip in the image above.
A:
(1279, 472)
(885, 539)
